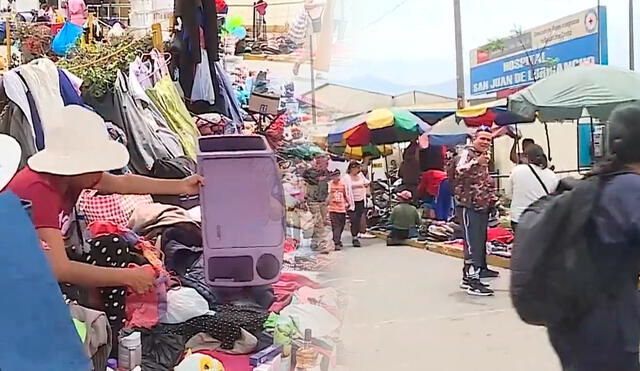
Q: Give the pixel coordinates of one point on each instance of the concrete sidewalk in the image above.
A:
(406, 312)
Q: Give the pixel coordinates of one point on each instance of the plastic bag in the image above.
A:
(66, 38)
(184, 304)
(202, 83)
(160, 351)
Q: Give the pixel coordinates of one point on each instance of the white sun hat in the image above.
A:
(76, 142)
(10, 153)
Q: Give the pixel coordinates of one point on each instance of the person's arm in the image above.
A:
(513, 156)
(418, 218)
(393, 216)
(137, 184)
(87, 275)
(511, 182)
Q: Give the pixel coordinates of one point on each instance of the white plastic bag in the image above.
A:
(202, 83)
(184, 304)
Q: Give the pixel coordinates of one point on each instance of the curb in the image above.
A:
(444, 249)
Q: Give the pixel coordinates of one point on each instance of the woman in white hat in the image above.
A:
(77, 156)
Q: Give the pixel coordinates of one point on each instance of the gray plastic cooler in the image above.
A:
(243, 212)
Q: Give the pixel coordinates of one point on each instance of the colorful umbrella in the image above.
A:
(381, 126)
(357, 153)
(489, 113)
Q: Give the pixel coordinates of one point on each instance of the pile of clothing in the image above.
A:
(439, 231)
(500, 242)
(302, 303)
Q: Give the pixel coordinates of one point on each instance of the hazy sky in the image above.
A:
(414, 44)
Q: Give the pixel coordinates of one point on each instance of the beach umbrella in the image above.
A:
(565, 95)
(348, 126)
(389, 126)
(381, 126)
(489, 113)
(358, 152)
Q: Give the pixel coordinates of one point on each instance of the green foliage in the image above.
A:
(99, 64)
(494, 45)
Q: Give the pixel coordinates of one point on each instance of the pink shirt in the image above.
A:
(359, 188)
(76, 12)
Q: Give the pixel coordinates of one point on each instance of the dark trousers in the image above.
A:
(355, 217)
(474, 225)
(397, 236)
(338, 220)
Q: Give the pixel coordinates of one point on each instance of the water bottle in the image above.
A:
(130, 352)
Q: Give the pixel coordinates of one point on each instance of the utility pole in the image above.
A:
(631, 38)
(459, 57)
(314, 110)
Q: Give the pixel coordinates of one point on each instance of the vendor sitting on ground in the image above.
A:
(404, 216)
(77, 155)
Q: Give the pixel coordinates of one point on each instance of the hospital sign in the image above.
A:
(537, 53)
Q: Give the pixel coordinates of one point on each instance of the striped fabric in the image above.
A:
(299, 29)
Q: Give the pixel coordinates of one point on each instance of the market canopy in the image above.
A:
(490, 113)
(432, 117)
(564, 96)
(381, 126)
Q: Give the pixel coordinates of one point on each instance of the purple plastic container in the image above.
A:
(243, 212)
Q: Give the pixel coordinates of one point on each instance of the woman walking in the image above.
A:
(357, 186)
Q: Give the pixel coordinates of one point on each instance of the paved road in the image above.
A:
(407, 313)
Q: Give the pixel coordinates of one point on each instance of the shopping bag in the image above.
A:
(202, 83)
(37, 329)
(66, 38)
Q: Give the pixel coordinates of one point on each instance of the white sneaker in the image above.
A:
(367, 235)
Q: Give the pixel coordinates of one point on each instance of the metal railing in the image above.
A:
(109, 11)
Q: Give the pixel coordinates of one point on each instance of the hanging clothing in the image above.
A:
(198, 18)
(14, 122)
(107, 106)
(168, 137)
(166, 98)
(145, 143)
(68, 91)
(75, 80)
(43, 81)
(234, 109)
(16, 91)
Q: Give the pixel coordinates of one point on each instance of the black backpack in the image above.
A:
(555, 275)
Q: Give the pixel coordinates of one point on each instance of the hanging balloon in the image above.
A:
(233, 22)
(239, 32)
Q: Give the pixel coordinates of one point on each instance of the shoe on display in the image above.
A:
(476, 288)
(488, 273)
(356, 243)
(366, 235)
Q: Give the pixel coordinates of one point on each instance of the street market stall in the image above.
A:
(130, 84)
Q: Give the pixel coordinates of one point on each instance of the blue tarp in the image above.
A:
(37, 329)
